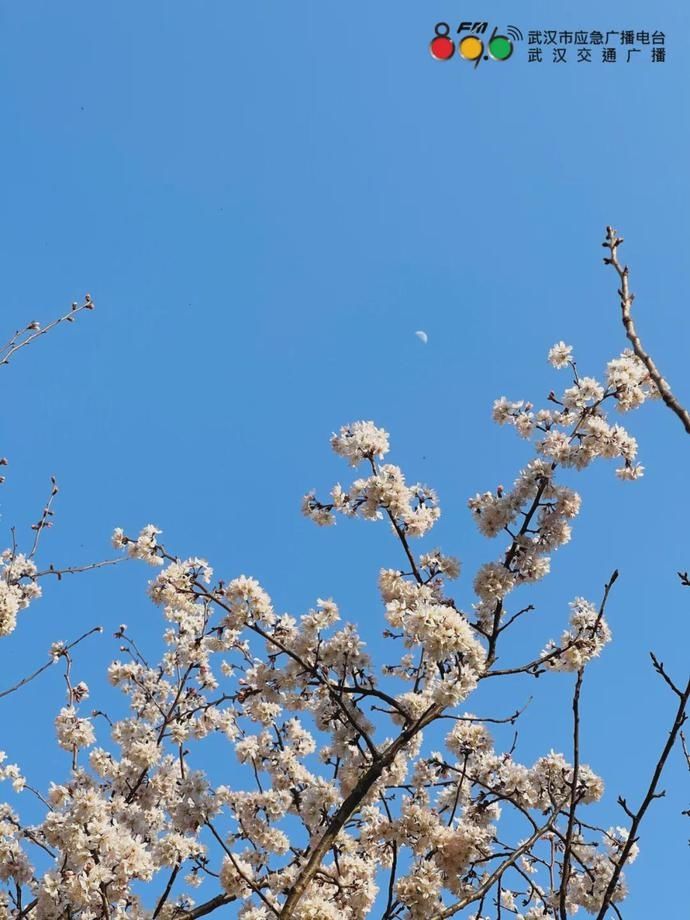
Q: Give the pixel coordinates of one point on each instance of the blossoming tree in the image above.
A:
(360, 787)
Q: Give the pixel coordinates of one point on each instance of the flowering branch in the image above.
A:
(612, 243)
(496, 875)
(350, 772)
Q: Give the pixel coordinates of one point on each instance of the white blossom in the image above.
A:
(560, 355)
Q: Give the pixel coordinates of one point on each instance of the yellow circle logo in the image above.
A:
(470, 48)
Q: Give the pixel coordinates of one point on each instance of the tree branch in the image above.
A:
(612, 242)
(650, 795)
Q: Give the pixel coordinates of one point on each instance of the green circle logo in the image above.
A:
(500, 48)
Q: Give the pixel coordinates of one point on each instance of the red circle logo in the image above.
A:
(442, 48)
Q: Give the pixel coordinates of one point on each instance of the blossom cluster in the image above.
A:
(411, 509)
(18, 587)
(588, 635)
(350, 780)
(537, 512)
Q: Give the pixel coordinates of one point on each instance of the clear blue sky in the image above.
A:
(266, 200)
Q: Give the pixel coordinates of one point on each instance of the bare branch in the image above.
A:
(51, 661)
(565, 875)
(77, 569)
(651, 794)
(33, 331)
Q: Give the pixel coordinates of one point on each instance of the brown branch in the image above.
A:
(612, 242)
(51, 661)
(34, 331)
(400, 533)
(651, 794)
(568, 843)
(349, 805)
(208, 907)
(661, 671)
(686, 752)
(77, 569)
(46, 514)
(27, 910)
(166, 893)
(510, 555)
(486, 886)
(322, 680)
(531, 667)
(256, 888)
(565, 874)
(507, 720)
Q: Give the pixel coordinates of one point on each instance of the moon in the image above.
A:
(422, 336)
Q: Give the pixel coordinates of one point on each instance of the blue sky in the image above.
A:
(266, 201)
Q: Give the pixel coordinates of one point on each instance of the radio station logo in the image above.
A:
(479, 41)
(473, 44)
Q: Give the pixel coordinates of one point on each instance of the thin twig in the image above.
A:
(77, 569)
(34, 330)
(51, 661)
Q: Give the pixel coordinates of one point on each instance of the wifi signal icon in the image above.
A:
(515, 33)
